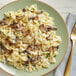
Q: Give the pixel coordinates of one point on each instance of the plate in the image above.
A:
(62, 31)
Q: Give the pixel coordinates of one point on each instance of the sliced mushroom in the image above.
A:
(19, 29)
(23, 51)
(33, 18)
(49, 37)
(12, 42)
(4, 22)
(24, 10)
(55, 47)
(29, 48)
(50, 49)
(10, 52)
(39, 11)
(25, 62)
(35, 60)
(20, 17)
(8, 39)
(16, 26)
(0, 22)
(28, 51)
(4, 50)
(36, 18)
(51, 28)
(25, 32)
(43, 29)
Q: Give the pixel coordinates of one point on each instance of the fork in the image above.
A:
(73, 38)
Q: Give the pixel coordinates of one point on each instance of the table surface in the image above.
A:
(64, 7)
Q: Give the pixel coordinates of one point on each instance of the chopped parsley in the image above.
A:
(18, 12)
(9, 13)
(55, 55)
(0, 48)
(48, 54)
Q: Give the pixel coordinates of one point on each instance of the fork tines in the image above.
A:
(74, 29)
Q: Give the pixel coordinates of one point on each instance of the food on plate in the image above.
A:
(28, 39)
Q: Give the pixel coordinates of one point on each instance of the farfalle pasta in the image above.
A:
(28, 39)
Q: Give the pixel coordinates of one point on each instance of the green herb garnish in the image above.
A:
(48, 54)
(0, 48)
(25, 19)
(55, 55)
(9, 13)
(18, 12)
(33, 9)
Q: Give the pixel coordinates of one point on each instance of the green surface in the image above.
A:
(62, 31)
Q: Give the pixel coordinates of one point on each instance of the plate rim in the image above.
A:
(65, 26)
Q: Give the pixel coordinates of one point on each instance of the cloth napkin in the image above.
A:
(71, 19)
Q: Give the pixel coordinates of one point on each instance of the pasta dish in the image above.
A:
(28, 39)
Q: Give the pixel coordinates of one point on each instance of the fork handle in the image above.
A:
(68, 67)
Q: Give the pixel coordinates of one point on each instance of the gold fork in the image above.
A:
(73, 38)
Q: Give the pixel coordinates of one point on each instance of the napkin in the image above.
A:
(71, 19)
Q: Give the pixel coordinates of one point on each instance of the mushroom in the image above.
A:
(4, 50)
(29, 48)
(25, 62)
(35, 60)
(8, 39)
(24, 10)
(16, 26)
(55, 47)
(51, 28)
(39, 11)
(10, 52)
(43, 29)
(12, 42)
(4, 22)
(33, 18)
(49, 37)
(25, 32)
(50, 49)
(36, 18)
(20, 17)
